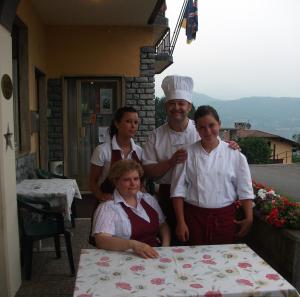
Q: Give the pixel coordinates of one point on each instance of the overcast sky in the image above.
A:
(243, 48)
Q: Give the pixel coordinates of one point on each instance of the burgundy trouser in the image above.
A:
(210, 225)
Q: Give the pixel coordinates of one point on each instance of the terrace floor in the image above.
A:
(51, 276)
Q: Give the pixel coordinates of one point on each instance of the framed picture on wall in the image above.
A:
(106, 101)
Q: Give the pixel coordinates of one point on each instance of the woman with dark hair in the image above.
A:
(122, 130)
(205, 187)
(133, 219)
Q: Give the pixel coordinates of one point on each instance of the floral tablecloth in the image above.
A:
(58, 192)
(210, 271)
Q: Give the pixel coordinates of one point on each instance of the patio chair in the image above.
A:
(44, 174)
(37, 221)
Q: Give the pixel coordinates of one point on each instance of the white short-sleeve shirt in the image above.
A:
(111, 218)
(102, 155)
(163, 142)
(212, 180)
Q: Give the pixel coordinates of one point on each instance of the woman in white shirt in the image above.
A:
(132, 220)
(206, 186)
(122, 130)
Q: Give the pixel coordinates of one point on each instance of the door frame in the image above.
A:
(79, 79)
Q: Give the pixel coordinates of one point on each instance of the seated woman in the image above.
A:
(132, 220)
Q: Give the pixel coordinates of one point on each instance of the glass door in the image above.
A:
(96, 101)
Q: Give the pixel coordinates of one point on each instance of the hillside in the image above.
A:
(279, 116)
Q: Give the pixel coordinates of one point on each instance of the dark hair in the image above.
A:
(113, 130)
(205, 110)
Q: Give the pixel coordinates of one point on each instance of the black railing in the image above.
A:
(167, 44)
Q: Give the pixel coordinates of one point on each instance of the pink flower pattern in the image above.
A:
(136, 268)
(212, 262)
(196, 286)
(158, 281)
(117, 274)
(245, 282)
(178, 250)
(186, 266)
(213, 294)
(244, 265)
(165, 260)
(273, 276)
(123, 285)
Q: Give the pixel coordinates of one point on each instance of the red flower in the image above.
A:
(103, 264)
(244, 265)
(136, 268)
(165, 260)
(208, 262)
(178, 250)
(124, 286)
(187, 266)
(196, 286)
(213, 294)
(104, 259)
(206, 257)
(158, 281)
(273, 276)
(245, 282)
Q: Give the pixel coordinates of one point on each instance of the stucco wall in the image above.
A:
(91, 50)
(283, 151)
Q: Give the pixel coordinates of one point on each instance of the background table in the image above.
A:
(210, 271)
(58, 192)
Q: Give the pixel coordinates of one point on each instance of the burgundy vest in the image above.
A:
(107, 186)
(141, 230)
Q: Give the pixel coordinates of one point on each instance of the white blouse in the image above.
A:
(111, 218)
(163, 142)
(212, 180)
(102, 155)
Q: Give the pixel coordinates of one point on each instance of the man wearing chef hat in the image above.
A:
(165, 146)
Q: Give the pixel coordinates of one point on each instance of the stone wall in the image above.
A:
(55, 120)
(25, 166)
(139, 93)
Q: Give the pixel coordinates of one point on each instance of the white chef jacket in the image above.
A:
(163, 142)
(102, 155)
(111, 218)
(212, 180)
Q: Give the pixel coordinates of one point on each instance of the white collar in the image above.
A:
(115, 145)
(188, 127)
(118, 198)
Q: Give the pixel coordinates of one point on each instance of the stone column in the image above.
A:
(140, 93)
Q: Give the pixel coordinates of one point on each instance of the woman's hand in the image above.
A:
(245, 226)
(233, 145)
(182, 231)
(144, 250)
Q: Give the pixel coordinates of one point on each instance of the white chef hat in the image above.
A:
(178, 87)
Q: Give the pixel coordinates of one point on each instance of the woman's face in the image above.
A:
(129, 183)
(208, 128)
(128, 124)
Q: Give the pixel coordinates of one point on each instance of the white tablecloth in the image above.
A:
(209, 271)
(58, 192)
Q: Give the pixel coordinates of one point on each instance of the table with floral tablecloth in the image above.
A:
(217, 270)
(58, 192)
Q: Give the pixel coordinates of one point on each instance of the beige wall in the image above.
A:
(80, 50)
(280, 149)
(36, 53)
(91, 50)
(10, 277)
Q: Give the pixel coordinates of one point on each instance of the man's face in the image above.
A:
(178, 109)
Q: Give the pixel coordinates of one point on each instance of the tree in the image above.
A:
(160, 111)
(296, 137)
(257, 150)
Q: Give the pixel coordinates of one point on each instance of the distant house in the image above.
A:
(282, 148)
